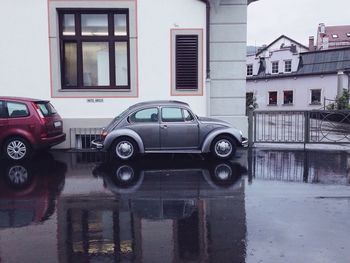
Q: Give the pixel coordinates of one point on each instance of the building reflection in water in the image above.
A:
(159, 211)
(323, 167)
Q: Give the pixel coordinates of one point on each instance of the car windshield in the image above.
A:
(46, 108)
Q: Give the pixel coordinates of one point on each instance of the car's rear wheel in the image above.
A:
(223, 147)
(17, 149)
(124, 149)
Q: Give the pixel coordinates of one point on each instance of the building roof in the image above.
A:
(337, 33)
(276, 40)
(321, 62)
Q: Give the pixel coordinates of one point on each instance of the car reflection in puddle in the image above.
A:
(161, 189)
(28, 190)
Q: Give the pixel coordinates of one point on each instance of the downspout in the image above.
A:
(208, 36)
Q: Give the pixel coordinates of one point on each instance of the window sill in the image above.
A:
(315, 103)
(94, 90)
(288, 104)
(272, 105)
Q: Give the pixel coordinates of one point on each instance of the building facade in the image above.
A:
(93, 59)
(288, 77)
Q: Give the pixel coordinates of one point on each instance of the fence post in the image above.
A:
(250, 125)
(307, 127)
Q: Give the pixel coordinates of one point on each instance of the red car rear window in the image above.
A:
(46, 108)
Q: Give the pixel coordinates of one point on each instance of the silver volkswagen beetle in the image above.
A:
(167, 127)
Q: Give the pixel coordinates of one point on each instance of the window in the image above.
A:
(250, 70)
(172, 115)
(275, 67)
(335, 36)
(95, 49)
(3, 113)
(273, 98)
(315, 96)
(146, 115)
(187, 62)
(187, 115)
(348, 34)
(288, 97)
(17, 110)
(288, 66)
(46, 108)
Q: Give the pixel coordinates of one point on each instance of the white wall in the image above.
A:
(25, 64)
(301, 87)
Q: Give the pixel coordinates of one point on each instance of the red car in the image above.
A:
(27, 125)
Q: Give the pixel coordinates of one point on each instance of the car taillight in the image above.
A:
(41, 116)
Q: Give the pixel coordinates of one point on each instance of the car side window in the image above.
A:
(146, 115)
(17, 110)
(187, 115)
(172, 115)
(3, 113)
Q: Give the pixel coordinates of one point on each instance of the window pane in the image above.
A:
(68, 25)
(316, 96)
(172, 115)
(147, 115)
(121, 63)
(70, 64)
(188, 116)
(16, 110)
(273, 98)
(94, 25)
(288, 97)
(95, 64)
(120, 25)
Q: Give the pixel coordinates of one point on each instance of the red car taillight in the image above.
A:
(42, 119)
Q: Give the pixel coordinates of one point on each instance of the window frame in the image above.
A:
(131, 120)
(111, 39)
(249, 69)
(273, 68)
(184, 121)
(273, 104)
(289, 67)
(284, 97)
(3, 110)
(314, 102)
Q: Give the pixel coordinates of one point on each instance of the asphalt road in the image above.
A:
(263, 206)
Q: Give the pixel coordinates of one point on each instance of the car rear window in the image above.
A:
(46, 108)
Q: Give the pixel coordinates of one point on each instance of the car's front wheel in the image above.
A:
(16, 149)
(223, 147)
(124, 149)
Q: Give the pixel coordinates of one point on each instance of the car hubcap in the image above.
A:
(18, 175)
(223, 172)
(125, 173)
(223, 148)
(16, 150)
(124, 150)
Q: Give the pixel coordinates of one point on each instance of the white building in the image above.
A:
(284, 76)
(92, 59)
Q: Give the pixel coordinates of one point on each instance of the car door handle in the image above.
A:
(164, 126)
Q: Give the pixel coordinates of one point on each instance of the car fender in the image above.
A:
(211, 136)
(121, 133)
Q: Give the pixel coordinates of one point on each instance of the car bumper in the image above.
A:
(97, 144)
(52, 141)
(244, 142)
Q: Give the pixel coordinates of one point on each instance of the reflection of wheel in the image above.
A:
(16, 149)
(224, 174)
(124, 148)
(223, 147)
(125, 176)
(18, 176)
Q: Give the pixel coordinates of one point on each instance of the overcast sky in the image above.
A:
(298, 19)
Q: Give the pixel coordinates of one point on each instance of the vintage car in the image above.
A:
(167, 127)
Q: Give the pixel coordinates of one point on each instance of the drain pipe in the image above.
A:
(208, 36)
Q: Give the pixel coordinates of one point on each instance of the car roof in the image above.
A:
(21, 99)
(159, 103)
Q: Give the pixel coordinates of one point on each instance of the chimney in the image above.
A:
(311, 43)
(322, 28)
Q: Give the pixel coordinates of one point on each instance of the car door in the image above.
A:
(3, 119)
(146, 124)
(179, 130)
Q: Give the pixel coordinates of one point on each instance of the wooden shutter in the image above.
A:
(186, 62)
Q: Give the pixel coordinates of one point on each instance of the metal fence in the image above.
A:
(299, 127)
(80, 138)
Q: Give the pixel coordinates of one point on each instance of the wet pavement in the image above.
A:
(263, 206)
